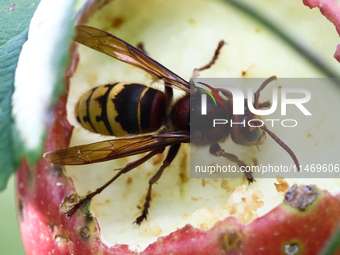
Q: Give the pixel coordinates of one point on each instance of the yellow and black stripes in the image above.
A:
(86, 118)
(102, 100)
(121, 109)
(126, 103)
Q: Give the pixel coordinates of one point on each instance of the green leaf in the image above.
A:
(14, 23)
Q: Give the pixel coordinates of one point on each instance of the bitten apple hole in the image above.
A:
(182, 36)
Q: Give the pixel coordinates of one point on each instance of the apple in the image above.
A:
(188, 215)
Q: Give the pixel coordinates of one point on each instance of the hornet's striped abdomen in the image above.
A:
(121, 109)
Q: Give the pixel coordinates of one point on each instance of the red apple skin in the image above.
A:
(306, 231)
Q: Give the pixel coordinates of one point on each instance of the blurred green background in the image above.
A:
(10, 241)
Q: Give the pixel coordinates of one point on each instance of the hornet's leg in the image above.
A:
(128, 167)
(213, 60)
(169, 158)
(216, 150)
(141, 47)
